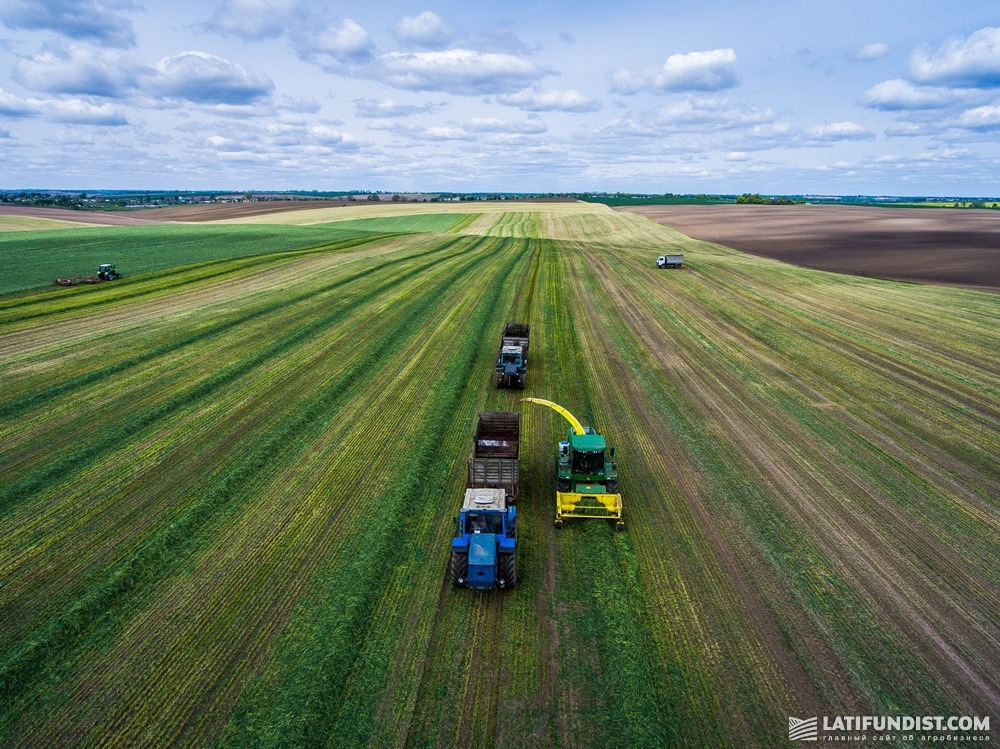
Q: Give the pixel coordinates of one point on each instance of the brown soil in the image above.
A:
(935, 245)
(80, 217)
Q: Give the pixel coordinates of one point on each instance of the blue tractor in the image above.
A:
(482, 552)
(511, 370)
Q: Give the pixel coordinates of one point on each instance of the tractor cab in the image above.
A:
(486, 535)
(511, 356)
(107, 272)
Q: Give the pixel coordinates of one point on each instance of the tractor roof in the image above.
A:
(485, 499)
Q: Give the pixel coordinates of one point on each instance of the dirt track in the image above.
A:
(939, 246)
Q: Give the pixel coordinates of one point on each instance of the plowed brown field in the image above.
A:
(939, 245)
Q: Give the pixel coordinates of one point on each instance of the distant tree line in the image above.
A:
(757, 199)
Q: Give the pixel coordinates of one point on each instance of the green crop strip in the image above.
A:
(859, 634)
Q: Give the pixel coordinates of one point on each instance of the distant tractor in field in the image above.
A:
(512, 359)
(586, 473)
(105, 272)
(482, 551)
(670, 261)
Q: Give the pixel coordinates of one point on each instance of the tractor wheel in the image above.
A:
(459, 567)
(508, 570)
(498, 379)
(613, 486)
(563, 485)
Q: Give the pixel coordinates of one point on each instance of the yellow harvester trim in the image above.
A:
(574, 422)
(580, 505)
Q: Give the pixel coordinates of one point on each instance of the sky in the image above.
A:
(881, 97)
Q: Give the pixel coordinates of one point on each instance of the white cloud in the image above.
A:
(82, 112)
(254, 19)
(15, 106)
(702, 112)
(496, 125)
(202, 78)
(424, 30)
(695, 71)
(328, 136)
(447, 132)
(971, 62)
(873, 51)
(898, 94)
(459, 71)
(533, 100)
(839, 131)
(378, 109)
(76, 111)
(77, 70)
(343, 43)
(981, 118)
(86, 20)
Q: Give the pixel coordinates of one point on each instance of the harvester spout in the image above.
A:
(574, 422)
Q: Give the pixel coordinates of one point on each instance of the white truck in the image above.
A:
(670, 261)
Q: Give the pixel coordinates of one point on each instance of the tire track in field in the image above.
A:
(468, 669)
(606, 691)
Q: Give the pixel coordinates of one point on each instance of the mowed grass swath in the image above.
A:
(229, 485)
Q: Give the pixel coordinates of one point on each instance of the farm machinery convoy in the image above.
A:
(483, 549)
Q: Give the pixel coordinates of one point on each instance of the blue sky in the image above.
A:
(876, 97)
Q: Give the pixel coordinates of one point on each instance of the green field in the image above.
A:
(228, 488)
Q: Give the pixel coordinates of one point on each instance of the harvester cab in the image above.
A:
(586, 473)
(482, 552)
(586, 464)
(107, 272)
